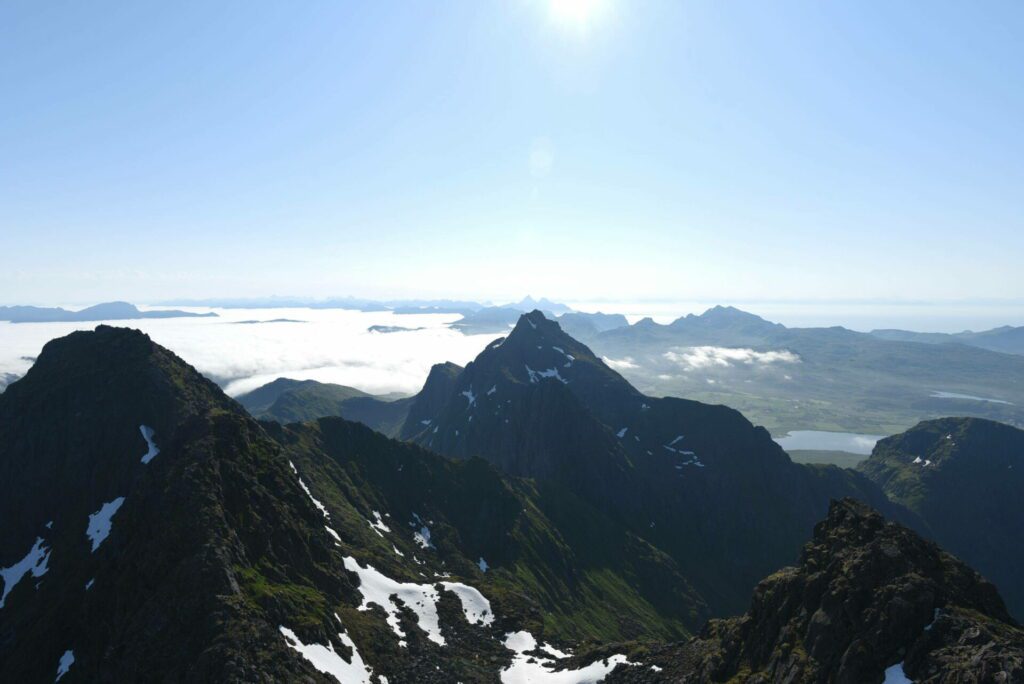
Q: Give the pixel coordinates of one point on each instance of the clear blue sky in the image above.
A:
(663, 150)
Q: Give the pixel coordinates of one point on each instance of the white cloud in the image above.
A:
(332, 345)
(723, 357)
(627, 363)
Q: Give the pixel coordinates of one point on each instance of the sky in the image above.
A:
(596, 150)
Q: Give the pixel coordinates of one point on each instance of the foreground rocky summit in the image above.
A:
(870, 601)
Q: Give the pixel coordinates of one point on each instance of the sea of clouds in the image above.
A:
(329, 345)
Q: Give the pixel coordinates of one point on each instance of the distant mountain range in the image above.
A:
(154, 531)
(1006, 339)
(812, 378)
(109, 311)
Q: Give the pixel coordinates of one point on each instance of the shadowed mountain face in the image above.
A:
(154, 531)
(964, 478)
(869, 601)
(696, 481)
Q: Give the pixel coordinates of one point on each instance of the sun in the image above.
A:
(575, 13)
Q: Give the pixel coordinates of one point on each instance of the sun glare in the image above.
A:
(576, 13)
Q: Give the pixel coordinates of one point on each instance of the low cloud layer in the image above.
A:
(331, 346)
(698, 358)
(624, 364)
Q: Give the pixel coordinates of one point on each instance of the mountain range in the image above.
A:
(156, 531)
(813, 378)
(1008, 339)
(109, 311)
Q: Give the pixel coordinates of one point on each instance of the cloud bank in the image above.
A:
(696, 358)
(332, 345)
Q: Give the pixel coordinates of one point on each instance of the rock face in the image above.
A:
(869, 597)
(152, 530)
(696, 481)
(964, 478)
(152, 587)
(155, 531)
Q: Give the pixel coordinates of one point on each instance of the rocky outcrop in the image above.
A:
(870, 599)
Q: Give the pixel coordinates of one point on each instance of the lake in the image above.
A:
(819, 440)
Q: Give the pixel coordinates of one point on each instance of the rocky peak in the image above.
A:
(870, 596)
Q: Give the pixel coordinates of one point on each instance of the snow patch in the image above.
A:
(532, 669)
(474, 605)
(325, 659)
(422, 537)
(151, 448)
(377, 589)
(101, 522)
(470, 397)
(622, 433)
(895, 675)
(378, 524)
(482, 564)
(66, 661)
(537, 376)
(34, 561)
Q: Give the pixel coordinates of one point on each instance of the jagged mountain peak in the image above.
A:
(726, 316)
(869, 600)
(963, 476)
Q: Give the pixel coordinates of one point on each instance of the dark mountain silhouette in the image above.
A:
(154, 531)
(695, 480)
(869, 601)
(964, 478)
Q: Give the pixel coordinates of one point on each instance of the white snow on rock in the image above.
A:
(312, 498)
(378, 524)
(895, 675)
(101, 522)
(320, 506)
(482, 564)
(66, 661)
(88, 585)
(327, 660)
(622, 433)
(34, 561)
(421, 599)
(537, 376)
(422, 537)
(152, 449)
(470, 397)
(532, 669)
(554, 651)
(674, 441)
(425, 422)
(492, 390)
(474, 605)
